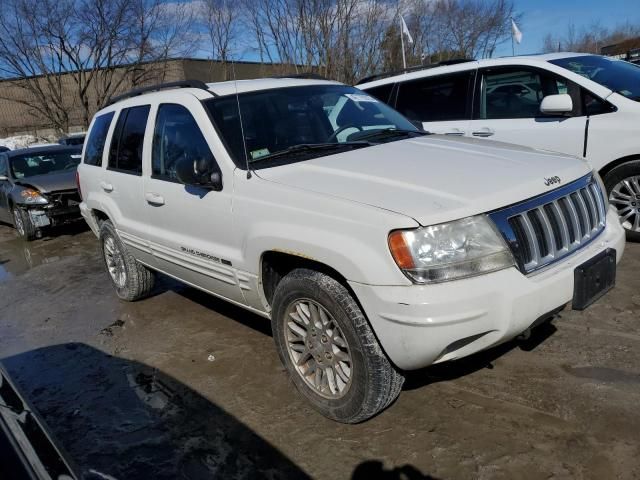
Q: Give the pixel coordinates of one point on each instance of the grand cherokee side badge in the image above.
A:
(552, 180)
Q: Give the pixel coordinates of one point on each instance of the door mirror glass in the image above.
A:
(200, 172)
(560, 104)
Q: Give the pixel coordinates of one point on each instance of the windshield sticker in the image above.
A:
(361, 97)
(259, 153)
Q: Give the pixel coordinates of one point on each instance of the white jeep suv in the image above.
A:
(373, 247)
(582, 105)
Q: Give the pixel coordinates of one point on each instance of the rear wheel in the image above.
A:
(329, 349)
(131, 280)
(24, 226)
(623, 185)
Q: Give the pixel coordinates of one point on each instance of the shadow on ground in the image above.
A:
(128, 420)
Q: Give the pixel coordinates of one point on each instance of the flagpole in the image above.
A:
(513, 46)
(404, 58)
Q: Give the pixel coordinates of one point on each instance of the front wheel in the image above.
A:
(329, 349)
(623, 185)
(24, 226)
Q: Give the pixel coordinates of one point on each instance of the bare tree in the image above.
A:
(94, 47)
(25, 52)
(221, 19)
(589, 39)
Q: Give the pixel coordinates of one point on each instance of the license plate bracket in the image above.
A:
(594, 278)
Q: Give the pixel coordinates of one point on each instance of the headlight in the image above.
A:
(33, 197)
(449, 251)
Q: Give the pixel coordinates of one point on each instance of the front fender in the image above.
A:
(349, 237)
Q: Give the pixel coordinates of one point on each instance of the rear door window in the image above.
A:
(97, 139)
(125, 154)
(440, 98)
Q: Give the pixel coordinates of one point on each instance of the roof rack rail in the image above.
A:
(379, 76)
(308, 75)
(161, 86)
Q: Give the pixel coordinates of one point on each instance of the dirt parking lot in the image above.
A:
(182, 385)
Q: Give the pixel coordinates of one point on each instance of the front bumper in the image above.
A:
(51, 215)
(419, 325)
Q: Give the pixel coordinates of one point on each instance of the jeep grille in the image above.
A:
(550, 227)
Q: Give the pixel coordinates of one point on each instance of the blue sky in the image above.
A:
(552, 16)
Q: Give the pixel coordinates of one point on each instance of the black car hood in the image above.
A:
(51, 182)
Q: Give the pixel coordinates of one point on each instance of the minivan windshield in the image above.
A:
(617, 75)
(290, 124)
(42, 163)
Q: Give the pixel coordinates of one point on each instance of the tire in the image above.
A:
(614, 183)
(23, 224)
(131, 280)
(373, 382)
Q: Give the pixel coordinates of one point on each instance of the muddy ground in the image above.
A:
(182, 385)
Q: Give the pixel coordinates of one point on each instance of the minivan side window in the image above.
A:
(176, 136)
(97, 139)
(508, 93)
(382, 93)
(432, 99)
(125, 154)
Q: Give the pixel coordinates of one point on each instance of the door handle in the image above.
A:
(455, 133)
(107, 187)
(154, 198)
(483, 132)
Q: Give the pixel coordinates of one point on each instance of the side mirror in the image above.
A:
(200, 172)
(556, 104)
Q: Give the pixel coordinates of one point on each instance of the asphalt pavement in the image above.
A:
(182, 385)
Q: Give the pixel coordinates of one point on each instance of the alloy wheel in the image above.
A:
(318, 349)
(19, 224)
(115, 262)
(625, 197)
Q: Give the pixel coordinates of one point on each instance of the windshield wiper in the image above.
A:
(390, 132)
(310, 147)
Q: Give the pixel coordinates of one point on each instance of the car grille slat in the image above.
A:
(545, 229)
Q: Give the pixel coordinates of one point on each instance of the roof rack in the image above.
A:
(161, 86)
(308, 75)
(378, 76)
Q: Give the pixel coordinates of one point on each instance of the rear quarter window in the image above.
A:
(97, 139)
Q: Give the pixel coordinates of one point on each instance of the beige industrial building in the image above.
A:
(18, 118)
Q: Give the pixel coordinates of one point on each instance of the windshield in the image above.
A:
(304, 122)
(43, 163)
(620, 76)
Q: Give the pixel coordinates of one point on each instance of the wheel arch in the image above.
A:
(616, 163)
(276, 264)
(100, 215)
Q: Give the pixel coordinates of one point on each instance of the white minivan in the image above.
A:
(579, 104)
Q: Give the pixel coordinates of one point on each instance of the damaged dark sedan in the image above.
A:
(38, 188)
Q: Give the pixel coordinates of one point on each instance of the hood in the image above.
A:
(51, 182)
(433, 179)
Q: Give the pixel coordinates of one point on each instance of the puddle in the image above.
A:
(4, 274)
(17, 256)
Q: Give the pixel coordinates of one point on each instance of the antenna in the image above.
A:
(244, 140)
